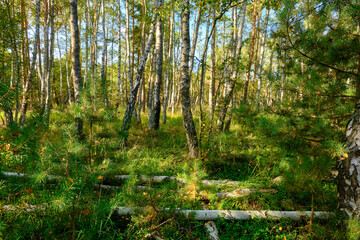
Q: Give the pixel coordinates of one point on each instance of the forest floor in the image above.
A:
(70, 207)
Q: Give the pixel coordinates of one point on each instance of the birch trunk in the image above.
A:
(28, 83)
(44, 76)
(120, 84)
(60, 71)
(87, 20)
(349, 170)
(246, 86)
(104, 59)
(67, 62)
(142, 84)
(170, 57)
(262, 57)
(94, 54)
(134, 90)
(50, 65)
(230, 82)
(213, 74)
(208, 215)
(185, 83)
(154, 119)
(127, 42)
(75, 60)
(195, 37)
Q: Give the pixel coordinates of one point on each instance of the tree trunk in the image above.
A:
(195, 37)
(213, 74)
(154, 119)
(134, 90)
(169, 58)
(94, 54)
(246, 86)
(60, 71)
(185, 83)
(28, 83)
(127, 42)
(262, 57)
(230, 82)
(349, 170)
(120, 84)
(87, 30)
(75, 60)
(67, 61)
(44, 76)
(103, 60)
(50, 65)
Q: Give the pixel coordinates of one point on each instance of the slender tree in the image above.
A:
(75, 60)
(28, 83)
(185, 82)
(246, 86)
(140, 70)
(104, 59)
(154, 119)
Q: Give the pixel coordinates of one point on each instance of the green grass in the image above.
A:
(72, 207)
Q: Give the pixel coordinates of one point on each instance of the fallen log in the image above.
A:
(213, 233)
(208, 215)
(159, 179)
(238, 193)
(156, 179)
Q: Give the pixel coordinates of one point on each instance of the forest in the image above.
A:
(180, 119)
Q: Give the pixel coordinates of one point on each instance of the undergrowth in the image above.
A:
(60, 196)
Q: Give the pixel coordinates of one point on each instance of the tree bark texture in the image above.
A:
(75, 60)
(349, 170)
(185, 83)
(246, 86)
(104, 59)
(154, 119)
(140, 70)
(28, 83)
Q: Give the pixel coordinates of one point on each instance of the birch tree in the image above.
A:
(189, 125)
(230, 82)
(50, 66)
(154, 118)
(27, 85)
(246, 86)
(104, 59)
(75, 60)
(262, 56)
(140, 70)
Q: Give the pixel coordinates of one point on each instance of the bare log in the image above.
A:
(208, 215)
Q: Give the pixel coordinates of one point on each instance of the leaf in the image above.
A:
(29, 191)
(87, 212)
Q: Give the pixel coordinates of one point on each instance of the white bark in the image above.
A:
(134, 90)
(262, 56)
(127, 42)
(120, 84)
(154, 116)
(28, 83)
(60, 71)
(50, 65)
(208, 215)
(104, 59)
